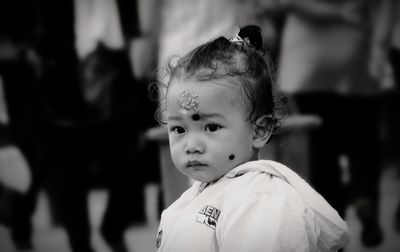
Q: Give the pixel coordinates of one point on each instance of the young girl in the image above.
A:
(220, 111)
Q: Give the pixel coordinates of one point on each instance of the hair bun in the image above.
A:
(252, 33)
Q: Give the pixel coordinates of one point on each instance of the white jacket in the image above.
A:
(257, 206)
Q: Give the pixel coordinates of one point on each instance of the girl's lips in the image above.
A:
(194, 164)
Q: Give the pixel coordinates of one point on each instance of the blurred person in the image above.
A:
(68, 129)
(65, 160)
(75, 70)
(21, 135)
(393, 122)
(119, 110)
(324, 66)
(387, 50)
(393, 53)
(112, 140)
(90, 102)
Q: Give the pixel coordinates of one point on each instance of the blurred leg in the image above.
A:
(22, 94)
(325, 147)
(125, 185)
(393, 120)
(68, 186)
(365, 165)
(120, 153)
(21, 231)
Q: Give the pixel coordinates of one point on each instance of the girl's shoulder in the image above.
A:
(258, 187)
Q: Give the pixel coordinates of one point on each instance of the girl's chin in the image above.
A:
(203, 178)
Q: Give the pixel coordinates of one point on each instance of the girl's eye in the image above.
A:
(178, 130)
(212, 127)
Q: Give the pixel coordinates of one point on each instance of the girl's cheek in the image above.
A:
(173, 142)
(175, 158)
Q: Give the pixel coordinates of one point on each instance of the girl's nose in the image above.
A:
(194, 145)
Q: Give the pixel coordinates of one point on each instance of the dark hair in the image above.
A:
(241, 59)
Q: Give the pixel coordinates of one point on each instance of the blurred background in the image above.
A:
(84, 166)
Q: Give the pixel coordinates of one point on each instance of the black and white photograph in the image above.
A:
(199, 125)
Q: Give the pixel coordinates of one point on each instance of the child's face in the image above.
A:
(211, 135)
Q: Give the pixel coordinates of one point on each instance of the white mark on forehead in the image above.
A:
(188, 102)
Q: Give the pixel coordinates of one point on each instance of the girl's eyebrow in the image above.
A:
(210, 115)
(174, 118)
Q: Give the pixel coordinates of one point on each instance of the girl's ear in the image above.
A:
(262, 132)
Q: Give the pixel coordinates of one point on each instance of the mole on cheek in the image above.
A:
(195, 117)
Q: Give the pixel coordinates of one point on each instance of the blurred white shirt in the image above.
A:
(97, 21)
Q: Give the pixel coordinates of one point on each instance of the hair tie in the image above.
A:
(239, 40)
(249, 36)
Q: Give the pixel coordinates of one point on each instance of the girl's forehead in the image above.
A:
(191, 96)
(192, 90)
